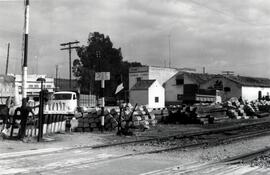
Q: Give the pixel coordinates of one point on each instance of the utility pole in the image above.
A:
(7, 59)
(102, 91)
(169, 37)
(56, 77)
(69, 44)
(24, 68)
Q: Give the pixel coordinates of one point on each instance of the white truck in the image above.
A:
(73, 101)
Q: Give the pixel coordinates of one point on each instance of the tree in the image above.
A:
(100, 55)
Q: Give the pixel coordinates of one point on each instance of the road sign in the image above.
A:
(102, 76)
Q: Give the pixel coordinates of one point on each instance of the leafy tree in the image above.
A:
(100, 55)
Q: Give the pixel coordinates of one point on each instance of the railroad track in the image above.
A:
(232, 165)
(203, 142)
(90, 155)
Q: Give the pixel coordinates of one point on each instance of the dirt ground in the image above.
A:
(76, 139)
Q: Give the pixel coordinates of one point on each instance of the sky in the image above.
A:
(220, 35)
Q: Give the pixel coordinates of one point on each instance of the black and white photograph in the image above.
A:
(134, 87)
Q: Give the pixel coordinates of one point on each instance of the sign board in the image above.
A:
(102, 76)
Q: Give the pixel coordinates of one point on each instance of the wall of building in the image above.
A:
(156, 90)
(172, 91)
(161, 74)
(137, 72)
(252, 93)
(138, 96)
(235, 88)
(34, 86)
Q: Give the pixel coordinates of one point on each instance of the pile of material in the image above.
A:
(196, 114)
(138, 118)
(92, 121)
(211, 114)
(245, 110)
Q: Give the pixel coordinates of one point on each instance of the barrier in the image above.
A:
(52, 123)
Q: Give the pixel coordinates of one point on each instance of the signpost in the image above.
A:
(102, 76)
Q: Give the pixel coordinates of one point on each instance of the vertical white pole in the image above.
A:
(26, 31)
(102, 104)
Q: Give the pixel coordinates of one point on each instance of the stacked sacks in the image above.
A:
(142, 118)
(92, 120)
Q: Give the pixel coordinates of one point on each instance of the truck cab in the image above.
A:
(68, 98)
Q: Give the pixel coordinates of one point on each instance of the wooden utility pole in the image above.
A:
(7, 59)
(69, 44)
(56, 77)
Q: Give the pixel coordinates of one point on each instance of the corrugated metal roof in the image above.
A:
(250, 81)
(200, 78)
(143, 84)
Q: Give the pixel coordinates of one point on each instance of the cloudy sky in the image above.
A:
(219, 35)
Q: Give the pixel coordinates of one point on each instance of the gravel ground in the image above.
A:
(180, 156)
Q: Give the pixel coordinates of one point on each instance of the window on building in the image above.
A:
(179, 97)
(156, 99)
(179, 81)
(31, 86)
(138, 79)
(36, 86)
(227, 89)
(49, 86)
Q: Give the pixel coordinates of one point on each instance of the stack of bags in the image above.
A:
(141, 118)
(92, 120)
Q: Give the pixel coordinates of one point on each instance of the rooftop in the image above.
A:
(143, 84)
(250, 81)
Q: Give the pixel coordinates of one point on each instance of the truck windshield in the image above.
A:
(62, 96)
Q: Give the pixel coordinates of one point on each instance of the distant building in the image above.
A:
(7, 87)
(34, 86)
(161, 74)
(248, 88)
(183, 83)
(147, 92)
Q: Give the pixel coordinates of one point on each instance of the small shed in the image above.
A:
(148, 92)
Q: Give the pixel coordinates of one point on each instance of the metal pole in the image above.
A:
(26, 30)
(7, 59)
(101, 94)
(69, 46)
(169, 36)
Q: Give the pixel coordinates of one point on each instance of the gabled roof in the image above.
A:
(143, 85)
(249, 81)
(200, 77)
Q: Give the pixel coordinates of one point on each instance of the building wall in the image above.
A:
(7, 87)
(252, 93)
(138, 96)
(137, 72)
(235, 89)
(156, 91)
(33, 86)
(172, 91)
(161, 74)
